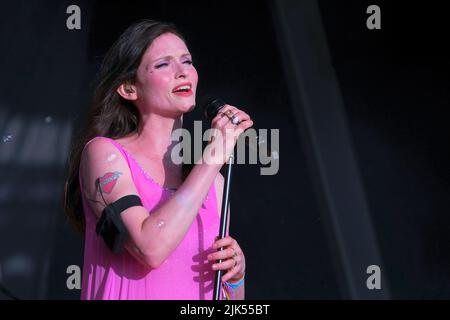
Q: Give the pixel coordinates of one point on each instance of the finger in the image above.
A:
(224, 265)
(220, 116)
(245, 124)
(230, 108)
(221, 255)
(242, 116)
(220, 243)
(230, 274)
(225, 108)
(224, 126)
(227, 241)
(221, 122)
(224, 121)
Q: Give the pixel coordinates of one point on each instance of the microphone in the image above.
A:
(211, 105)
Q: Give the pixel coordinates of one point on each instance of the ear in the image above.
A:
(127, 91)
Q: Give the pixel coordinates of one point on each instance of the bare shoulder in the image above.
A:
(103, 168)
(98, 154)
(97, 147)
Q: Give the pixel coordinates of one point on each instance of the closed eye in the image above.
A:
(166, 64)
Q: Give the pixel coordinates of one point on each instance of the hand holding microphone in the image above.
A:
(229, 123)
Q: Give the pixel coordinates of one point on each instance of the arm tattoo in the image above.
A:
(107, 182)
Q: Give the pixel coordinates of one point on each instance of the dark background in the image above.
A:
(394, 82)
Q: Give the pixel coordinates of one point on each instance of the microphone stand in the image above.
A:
(223, 223)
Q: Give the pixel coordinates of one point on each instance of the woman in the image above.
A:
(147, 82)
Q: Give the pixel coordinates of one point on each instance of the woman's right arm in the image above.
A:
(153, 237)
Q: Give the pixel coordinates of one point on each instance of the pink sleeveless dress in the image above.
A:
(185, 275)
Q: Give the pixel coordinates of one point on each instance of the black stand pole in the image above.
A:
(223, 224)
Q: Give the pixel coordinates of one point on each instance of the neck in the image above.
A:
(156, 131)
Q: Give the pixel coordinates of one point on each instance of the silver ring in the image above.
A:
(235, 119)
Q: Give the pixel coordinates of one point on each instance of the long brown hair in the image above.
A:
(110, 115)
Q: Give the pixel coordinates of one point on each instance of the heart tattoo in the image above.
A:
(108, 181)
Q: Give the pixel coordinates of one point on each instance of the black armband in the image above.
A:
(110, 225)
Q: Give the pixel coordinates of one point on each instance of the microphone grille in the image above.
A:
(211, 105)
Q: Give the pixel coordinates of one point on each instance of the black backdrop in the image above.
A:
(396, 84)
(395, 88)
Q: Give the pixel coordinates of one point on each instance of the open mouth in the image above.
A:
(183, 90)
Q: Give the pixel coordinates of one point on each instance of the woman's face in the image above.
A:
(165, 66)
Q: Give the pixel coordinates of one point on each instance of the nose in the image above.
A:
(181, 70)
